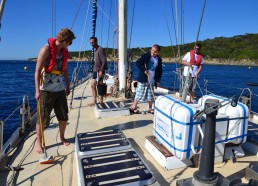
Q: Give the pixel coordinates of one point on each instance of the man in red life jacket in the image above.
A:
(51, 92)
(193, 62)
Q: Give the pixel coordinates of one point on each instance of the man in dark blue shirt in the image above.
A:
(150, 72)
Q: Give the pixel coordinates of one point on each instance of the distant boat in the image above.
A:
(252, 83)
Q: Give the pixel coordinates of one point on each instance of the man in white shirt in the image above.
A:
(193, 62)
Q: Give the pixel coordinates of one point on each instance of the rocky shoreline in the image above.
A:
(244, 62)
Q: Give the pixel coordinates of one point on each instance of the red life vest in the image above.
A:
(53, 53)
(192, 58)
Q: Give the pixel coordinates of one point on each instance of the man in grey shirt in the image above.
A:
(98, 70)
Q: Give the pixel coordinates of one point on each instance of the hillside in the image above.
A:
(236, 50)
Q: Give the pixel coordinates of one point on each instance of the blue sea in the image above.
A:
(16, 81)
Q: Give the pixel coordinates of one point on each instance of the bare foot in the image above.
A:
(65, 142)
(91, 104)
(101, 99)
(39, 149)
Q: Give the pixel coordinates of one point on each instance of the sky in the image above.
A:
(26, 24)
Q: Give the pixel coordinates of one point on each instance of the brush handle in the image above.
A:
(41, 127)
(152, 92)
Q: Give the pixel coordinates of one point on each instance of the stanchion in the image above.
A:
(205, 176)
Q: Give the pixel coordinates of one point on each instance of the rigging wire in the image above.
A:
(131, 31)
(77, 69)
(175, 25)
(199, 28)
(182, 22)
(115, 52)
(108, 28)
(108, 33)
(12, 113)
(76, 14)
(83, 33)
(53, 18)
(101, 24)
(105, 13)
(165, 15)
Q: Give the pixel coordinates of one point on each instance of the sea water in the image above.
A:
(17, 80)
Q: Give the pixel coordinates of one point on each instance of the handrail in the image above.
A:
(245, 99)
(6, 147)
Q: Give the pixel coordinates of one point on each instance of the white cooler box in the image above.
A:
(238, 118)
(175, 127)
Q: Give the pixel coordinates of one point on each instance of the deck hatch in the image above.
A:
(111, 106)
(111, 109)
(101, 142)
(120, 168)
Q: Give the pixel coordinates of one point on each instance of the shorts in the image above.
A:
(50, 101)
(143, 92)
(95, 75)
(191, 83)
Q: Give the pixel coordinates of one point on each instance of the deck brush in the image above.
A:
(46, 159)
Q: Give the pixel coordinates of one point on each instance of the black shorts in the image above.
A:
(50, 101)
(94, 75)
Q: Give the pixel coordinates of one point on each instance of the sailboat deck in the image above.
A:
(82, 119)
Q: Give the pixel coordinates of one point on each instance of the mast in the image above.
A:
(122, 43)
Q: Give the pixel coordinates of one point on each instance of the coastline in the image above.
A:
(244, 62)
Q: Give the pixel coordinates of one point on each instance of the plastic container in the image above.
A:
(174, 126)
(238, 118)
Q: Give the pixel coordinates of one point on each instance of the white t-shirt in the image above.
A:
(194, 67)
(151, 66)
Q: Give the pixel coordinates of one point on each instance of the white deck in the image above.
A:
(82, 119)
